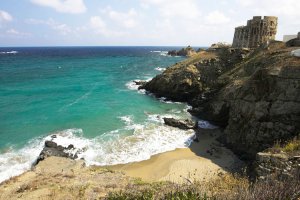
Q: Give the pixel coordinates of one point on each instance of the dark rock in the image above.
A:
(188, 51)
(253, 95)
(52, 149)
(140, 82)
(182, 124)
(294, 42)
(50, 144)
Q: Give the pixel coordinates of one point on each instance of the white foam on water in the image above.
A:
(127, 119)
(111, 148)
(131, 85)
(164, 100)
(162, 53)
(206, 125)
(9, 52)
(15, 162)
(146, 140)
(161, 69)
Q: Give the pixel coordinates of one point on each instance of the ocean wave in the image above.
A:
(146, 140)
(206, 125)
(162, 53)
(15, 162)
(131, 85)
(114, 147)
(9, 52)
(164, 100)
(133, 142)
(127, 119)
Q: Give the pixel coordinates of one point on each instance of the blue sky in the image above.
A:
(135, 22)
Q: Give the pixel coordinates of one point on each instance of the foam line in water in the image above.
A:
(114, 147)
(9, 52)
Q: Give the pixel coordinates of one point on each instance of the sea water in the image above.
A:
(87, 97)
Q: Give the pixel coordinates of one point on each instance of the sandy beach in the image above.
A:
(202, 161)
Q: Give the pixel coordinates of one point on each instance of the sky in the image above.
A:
(136, 22)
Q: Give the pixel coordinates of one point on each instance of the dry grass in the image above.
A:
(290, 147)
(231, 187)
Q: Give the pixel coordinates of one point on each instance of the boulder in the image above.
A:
(52, 149)
(181, 124)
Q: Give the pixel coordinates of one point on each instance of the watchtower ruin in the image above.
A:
(257, 31)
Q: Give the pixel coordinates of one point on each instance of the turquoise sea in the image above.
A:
(85, 95)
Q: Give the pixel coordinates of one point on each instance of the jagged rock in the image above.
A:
(140, 83)
(52, 149)
(183, 80)
(269, 164)
(188, 51)
(260, 103)
(256, 100)
(182, 124)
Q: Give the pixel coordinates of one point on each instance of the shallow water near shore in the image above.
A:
(84, 95)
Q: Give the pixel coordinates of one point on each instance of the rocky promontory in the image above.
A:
(188, 51)
(253, 94)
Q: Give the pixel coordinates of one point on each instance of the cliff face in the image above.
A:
(256, 100)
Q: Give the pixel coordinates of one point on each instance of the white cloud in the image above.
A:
(5, 17)
(273, 7)
(15, 32)
(97, 22)
(175, 8)
(62, 29)
(64, 6)
(99, 26)
(126, 19)
(216, 17)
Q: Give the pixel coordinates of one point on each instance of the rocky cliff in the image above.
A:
(255, 95)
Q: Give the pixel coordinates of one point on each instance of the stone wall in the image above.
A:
(257, 31)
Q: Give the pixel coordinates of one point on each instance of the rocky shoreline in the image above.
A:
(253, 94)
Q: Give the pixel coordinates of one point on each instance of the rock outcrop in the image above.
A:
(276, 164)
(52, 149)
(195, 76)
(188, 51)
(255, 95)
(294, 42)
(182, 124)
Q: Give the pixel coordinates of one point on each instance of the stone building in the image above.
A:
(257, 31)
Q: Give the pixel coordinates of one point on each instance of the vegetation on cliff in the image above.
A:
(254, 95)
